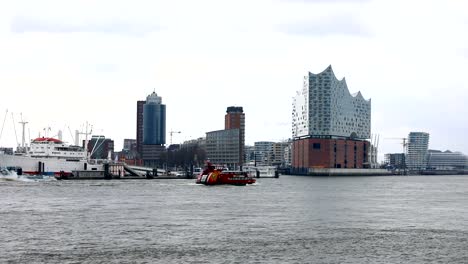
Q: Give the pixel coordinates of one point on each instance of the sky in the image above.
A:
(66, 63)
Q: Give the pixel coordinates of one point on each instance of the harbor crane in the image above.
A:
(174, 132)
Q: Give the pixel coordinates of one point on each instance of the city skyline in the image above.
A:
(76, 62)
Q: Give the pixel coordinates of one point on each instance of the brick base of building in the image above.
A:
(329, 153)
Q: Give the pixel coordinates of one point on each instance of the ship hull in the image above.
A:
(219, 177)
(46, 166)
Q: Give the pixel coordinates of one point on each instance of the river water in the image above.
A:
(293, 219)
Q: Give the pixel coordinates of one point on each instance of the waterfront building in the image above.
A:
(416, 156)
(288, 154)
(447, 160)
(235, 119)
(222, 148)
(330, 126)
(277, 154)
(263, 151)
(139, 132)
(249, 154)
(395, 160)
(226, 147)
(129, 151)
(129, 144)
(100, 147)
(154, 130)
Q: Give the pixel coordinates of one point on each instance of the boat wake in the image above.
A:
(9, 175)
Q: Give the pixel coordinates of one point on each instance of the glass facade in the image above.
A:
(154, 121)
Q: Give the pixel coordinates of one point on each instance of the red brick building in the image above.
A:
(329, 153)
(235, 119)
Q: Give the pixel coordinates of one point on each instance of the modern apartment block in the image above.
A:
(416, 156)
(226, 147)
(330, 126)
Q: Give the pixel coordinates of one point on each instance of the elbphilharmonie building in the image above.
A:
(330, 126)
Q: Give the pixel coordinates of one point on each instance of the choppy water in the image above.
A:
(287, 220)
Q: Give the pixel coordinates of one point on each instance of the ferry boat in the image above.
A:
(49, 156)
(214, 176)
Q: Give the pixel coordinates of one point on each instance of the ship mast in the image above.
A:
(86, 133)
(23, 139)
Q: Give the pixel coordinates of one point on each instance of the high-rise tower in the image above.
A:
(418, 143)
(154, 121)
(235, 118)
(139, 132)
(153, 136)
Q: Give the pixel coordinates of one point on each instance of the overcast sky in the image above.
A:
(63, 63)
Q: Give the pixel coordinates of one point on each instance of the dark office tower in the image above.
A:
(235, 119)
(154, 130)
(154, 121)
(139, 137)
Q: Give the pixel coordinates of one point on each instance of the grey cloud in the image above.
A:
(25, 25)
(338, 25)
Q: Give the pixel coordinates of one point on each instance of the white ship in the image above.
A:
(49, 156)
(261, 171)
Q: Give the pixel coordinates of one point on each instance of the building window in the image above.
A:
(316, 145)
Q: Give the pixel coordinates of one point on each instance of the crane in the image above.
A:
(173, 132)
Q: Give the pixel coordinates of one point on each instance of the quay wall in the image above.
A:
(340, 172)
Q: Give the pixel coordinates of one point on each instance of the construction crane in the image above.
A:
(174, 132)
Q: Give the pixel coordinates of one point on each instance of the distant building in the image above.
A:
(139, 132)
(288, 154)
(195, 149)
(249, 154)
(330, 127)
(277, 155)
(101, 147)
(222, 148)
(154, 130)
(447, 160)
(8, 151)
(129, 144)
(226, 147)
(235, 119)
(129, 151)
(416, 158)
(263, 151)
(395, 160)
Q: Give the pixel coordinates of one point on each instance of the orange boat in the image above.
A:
(213, 176)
